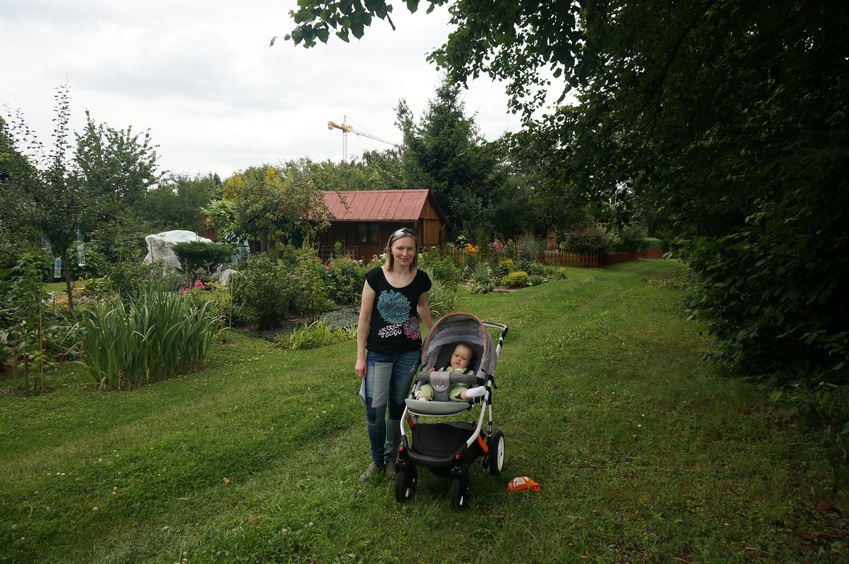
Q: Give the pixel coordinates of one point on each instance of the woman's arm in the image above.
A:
(366, 307)
(423, 310)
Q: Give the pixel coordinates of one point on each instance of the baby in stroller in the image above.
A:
(461, 358)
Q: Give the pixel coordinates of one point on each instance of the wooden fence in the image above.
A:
(558, 258)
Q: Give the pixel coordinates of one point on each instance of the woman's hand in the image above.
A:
(360, 367)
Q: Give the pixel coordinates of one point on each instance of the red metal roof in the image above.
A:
(376, 205)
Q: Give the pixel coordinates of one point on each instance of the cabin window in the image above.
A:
(368, 233)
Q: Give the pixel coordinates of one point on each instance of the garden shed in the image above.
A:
(362, 221)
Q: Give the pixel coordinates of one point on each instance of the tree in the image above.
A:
(178, 202)
(17, 176)
(445, 153)
(725, 121)
(116, 167)
(270, 203)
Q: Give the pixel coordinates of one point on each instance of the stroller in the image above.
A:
(448, 449)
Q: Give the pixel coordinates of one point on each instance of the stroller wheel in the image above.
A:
(405, 483)
(496, 453)
(460, 493)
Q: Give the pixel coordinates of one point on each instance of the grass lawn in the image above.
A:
(644, 453)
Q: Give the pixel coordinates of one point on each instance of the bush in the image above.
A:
(441, 267)
(482, 280)
(535, 280)
(308, 290)
(560, 273)
(629, 239)
(261, 292)
(518, 279)
(344, 278)
(130, 278)
(196, 255)
(589, 241)
(505, 267)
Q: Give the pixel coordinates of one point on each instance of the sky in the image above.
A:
(216, 97)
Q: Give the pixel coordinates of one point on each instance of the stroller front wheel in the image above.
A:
(460, 493)
(405, 483)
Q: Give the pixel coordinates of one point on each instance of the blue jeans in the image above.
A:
(386, 385)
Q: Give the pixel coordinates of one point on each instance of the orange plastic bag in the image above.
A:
(523, 483)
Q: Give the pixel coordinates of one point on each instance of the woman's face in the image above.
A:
(404, 251)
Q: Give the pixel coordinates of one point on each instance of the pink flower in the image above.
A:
(199, 285)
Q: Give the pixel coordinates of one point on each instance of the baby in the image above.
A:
(461, 358)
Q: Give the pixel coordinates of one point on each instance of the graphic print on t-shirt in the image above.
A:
(395, 308)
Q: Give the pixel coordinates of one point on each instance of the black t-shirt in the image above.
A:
(395, 325)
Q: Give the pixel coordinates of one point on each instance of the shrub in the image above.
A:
(440, 267)
(518, 279)
(261, 292)
(482, 280)
(308, 290)
(560, 273)
(535, 280)
(344, 278)
(130, 278)
(628, 239)
(588, 241)
(196, 255)
(505, 267)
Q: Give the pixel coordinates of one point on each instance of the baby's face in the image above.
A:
(461, 357)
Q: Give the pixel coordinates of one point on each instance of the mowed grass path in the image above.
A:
(644, 453)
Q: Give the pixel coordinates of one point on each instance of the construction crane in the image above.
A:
(350, 129)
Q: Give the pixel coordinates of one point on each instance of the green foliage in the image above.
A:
(505, 267)
(627, 239)
(309, 292)
(445, 152)
(344, 278)
(535, 280)
(589, 241)
(517, 279)
(441, 266)
(21, 315)
(654, 244)
(316, 334)
(178, 202)
(482, 280)
(262, 291)
(156, 335)
(130, 278)
(443, 298)
(792, 332)
(267, 203)
(198, 254)
(560, 273)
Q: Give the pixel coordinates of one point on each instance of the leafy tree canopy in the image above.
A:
(723, 122)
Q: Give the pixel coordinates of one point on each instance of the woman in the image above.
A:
(390, 330)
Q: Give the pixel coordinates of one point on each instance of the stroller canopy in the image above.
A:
(457, 328)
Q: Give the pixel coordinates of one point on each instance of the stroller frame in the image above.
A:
(449, 449)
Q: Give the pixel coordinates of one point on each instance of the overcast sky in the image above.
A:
(201, 76)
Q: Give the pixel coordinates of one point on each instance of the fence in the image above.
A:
(558, 258)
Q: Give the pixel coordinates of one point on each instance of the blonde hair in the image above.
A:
(400, 234)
